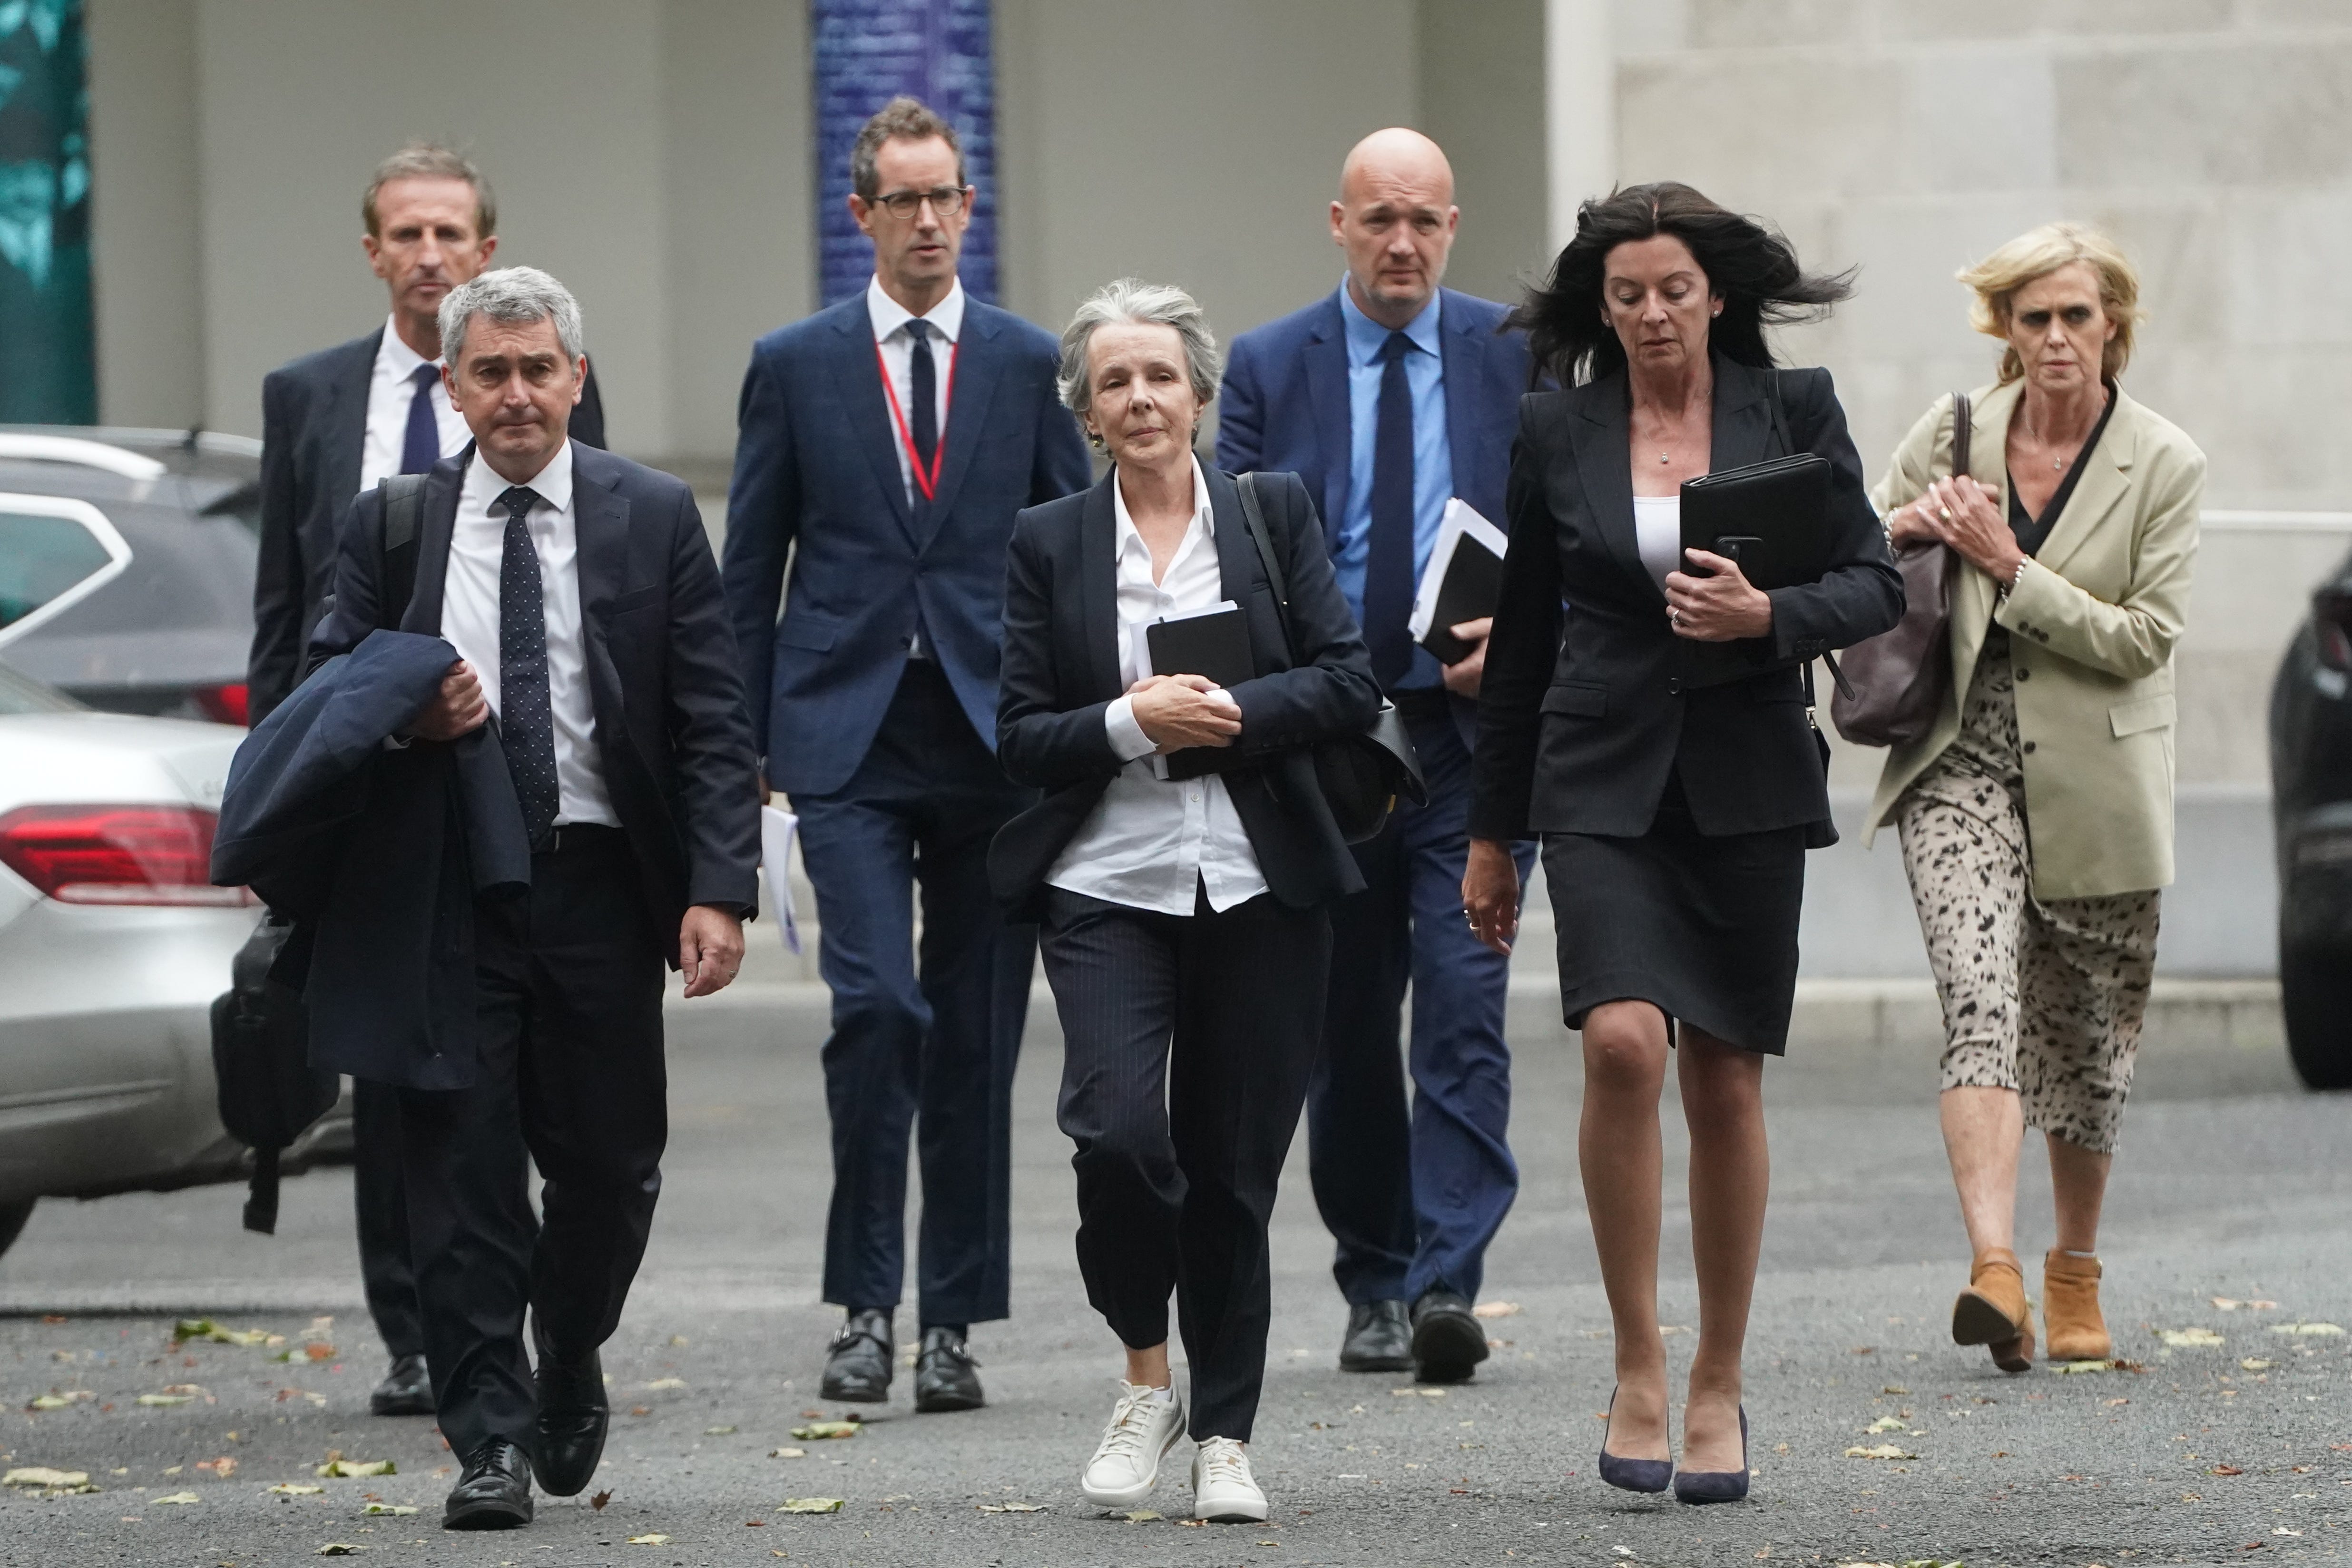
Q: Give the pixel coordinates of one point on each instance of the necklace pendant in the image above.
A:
(1661, 456)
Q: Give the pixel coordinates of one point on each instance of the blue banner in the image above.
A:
(49, 361)
(867, 52)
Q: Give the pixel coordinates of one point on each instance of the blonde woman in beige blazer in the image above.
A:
(2036, 814)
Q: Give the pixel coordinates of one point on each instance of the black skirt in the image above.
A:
(1705, 929)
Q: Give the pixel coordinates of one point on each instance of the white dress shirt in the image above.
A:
(1152, 843)
(890, 319)
(390, 387)
(469, 619)
(1658, 534)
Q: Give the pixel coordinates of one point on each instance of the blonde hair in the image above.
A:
(2038, 253)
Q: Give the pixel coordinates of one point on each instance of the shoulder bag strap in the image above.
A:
(1963, 428)
(1254, 518)
(403, 513)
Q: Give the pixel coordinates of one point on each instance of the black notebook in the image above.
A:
(1213, 643)
(1464, 582)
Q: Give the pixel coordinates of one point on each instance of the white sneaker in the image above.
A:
(1144, 1426)
(1223, 1487)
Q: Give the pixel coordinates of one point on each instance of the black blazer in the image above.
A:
(313, 428)
(1062, 671)
(671, 729)
(1584, 711)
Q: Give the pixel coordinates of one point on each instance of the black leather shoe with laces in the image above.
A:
(495, 1491)
(573, 1413)
(1379, 1338)
(946, 1377)
(1448, 1342)
(406, 1389)
(858, 1362)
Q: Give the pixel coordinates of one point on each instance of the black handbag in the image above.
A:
(1361, 775)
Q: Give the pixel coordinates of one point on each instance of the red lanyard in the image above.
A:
(929, 483)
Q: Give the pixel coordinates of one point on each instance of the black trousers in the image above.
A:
(381, 1198)
(572, 1070)
(924, 1041)
(1187, 1042)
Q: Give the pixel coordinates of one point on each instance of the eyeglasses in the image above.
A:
(947, 201)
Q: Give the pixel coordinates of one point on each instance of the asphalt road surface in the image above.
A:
(2238, 1451)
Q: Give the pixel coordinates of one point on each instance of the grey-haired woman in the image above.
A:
(1183, 909)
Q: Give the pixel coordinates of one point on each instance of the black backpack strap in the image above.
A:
(403, 514)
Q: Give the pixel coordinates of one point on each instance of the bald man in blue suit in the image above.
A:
(1390, 397)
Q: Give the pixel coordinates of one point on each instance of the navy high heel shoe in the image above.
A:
(1631, 1474)
(1716, 1486)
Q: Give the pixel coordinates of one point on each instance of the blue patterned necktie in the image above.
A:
(420, 448)
(1388, 554)
(526, 714)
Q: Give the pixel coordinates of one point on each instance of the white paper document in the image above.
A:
(1460, 519)
(778, 828)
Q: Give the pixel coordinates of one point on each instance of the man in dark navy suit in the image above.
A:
(332, 424)
(580, 595)
(886, 443)
(1390, 397)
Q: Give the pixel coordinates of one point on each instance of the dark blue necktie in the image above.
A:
(420, 448)
(1388, 564)
(526, 714)
(923, 422)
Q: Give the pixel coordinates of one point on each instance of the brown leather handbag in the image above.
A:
(1895, 682)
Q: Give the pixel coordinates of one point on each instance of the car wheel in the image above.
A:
(12, 1220)
(2315, 997)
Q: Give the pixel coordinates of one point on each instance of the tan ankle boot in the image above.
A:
(1992, 1311)
(2070, 1307)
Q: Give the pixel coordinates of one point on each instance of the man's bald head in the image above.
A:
(1395, 219)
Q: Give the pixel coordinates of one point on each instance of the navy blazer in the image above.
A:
(670, 727)
(1586, 710)
(313, 429)
(816, 466)
(1062, 671)
(1284, 406)
(379, 855)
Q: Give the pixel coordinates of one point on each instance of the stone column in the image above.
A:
(1579, 109)
(866, 52)
(47, 350)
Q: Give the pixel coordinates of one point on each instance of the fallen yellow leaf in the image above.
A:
(293, 1488)
(2255, 1364)
(1496, 1310)
(180, 1498)
(165, 1398)
(1012, 1508)
(649, 1541)
(2187, 1338)
(667, 1383)
(2315, 1329)
(812, 1505)
(1882, 1451)
(1144, 1516)
(821, 1431)
(2088, 1366)
(338, 1468)
(788, 1453)
(387, 1508)
(42, 1476)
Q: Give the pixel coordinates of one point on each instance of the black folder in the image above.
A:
(1773, 517)
(1470, 590)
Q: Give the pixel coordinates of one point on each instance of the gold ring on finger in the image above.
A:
(1945, 512)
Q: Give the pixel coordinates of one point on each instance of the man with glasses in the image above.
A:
(886, 443)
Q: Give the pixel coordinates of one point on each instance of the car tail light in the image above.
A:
(2331, 621)
(116, 854)
(223, 704)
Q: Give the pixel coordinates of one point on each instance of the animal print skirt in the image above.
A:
(2041, 997)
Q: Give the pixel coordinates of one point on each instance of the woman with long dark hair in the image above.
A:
(1674, 810)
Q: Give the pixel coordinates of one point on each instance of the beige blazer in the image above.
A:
(2092, 625)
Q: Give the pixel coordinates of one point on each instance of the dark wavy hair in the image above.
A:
(1748, 264)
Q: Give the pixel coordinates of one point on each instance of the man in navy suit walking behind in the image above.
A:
(1390, 397)
(886, 442)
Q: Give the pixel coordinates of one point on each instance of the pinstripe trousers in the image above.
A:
(1187, 1044)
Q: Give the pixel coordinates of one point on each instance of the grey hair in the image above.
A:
(511, 294)
(1147, 304)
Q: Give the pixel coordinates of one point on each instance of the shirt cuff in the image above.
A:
(1128, 741)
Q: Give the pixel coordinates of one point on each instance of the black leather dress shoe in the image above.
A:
(858, 1362)
(573, 1413)
(406, 1389)
(495, 1491)
(1447, 1342)
(946, 1377)
(1379, 1338)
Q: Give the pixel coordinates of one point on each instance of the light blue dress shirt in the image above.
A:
(1433, 454)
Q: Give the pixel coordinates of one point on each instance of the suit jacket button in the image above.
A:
(2029, 748)
(2025, 674)
(1674, 686)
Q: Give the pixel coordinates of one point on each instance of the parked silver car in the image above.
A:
(113, 943)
